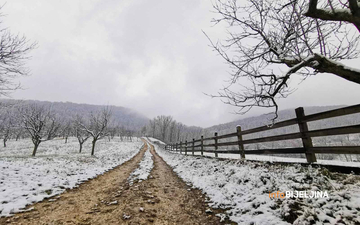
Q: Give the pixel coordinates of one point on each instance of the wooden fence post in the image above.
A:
(193, 143)
(180, 147)
(241, 145)
(202, 145)
(216, 143)
(307, 142)
(186, 147)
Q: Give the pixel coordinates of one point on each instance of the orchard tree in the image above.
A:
(7, 126)
(18, 132)
(40, 123)
(67, 129)
(122, 132)
(81, 134)
(112, 130)
(271, 42)
(96, 126)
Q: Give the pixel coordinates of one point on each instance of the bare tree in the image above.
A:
(10, 121)
(122, 132)
(143, 131)
(18, 132)
(40, 123)
(172, 130)
(341, 11)
(13, 54)
(179, 130)
(66, 129)
(7, 126)
(270, 42)
(165, 128)
(163, 123)
(130, 134)
(152, 127)
(96, 127)
(112, 132)
(79, 132)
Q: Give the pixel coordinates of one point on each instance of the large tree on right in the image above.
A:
(270, 42)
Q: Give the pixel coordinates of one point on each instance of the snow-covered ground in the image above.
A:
(269, 158)
(57, 166)
(155, 140)
(243, 187)
(143, 171)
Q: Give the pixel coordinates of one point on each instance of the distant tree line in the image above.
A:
(168, 130)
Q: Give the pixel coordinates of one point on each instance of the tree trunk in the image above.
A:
(66, 139)
(81, 144)
(4, 142)
(36, 145)
(93, 147)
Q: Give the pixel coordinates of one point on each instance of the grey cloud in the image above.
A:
(147, 55)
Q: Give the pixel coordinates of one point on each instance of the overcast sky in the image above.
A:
(150, 56)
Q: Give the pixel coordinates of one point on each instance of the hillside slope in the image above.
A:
(126, 117)
(257, 121)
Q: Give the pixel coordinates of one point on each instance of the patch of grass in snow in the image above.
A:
(291, 210)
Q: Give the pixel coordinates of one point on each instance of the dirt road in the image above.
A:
(108, 199)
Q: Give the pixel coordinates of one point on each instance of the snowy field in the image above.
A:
(242, 188)
(143, 171)
(57, 166)
(155, 140)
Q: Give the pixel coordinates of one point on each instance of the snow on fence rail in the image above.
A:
(304, 134)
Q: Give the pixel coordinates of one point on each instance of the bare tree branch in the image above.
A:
(270, 42)
(349, 14)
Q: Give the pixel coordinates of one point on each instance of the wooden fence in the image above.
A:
(304, 134)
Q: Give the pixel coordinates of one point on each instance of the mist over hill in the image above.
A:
(125, 117)
(265, 119)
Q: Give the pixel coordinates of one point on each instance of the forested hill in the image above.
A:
(126, 117)
(256, 121)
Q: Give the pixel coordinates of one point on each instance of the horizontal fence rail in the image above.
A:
(304, 134)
